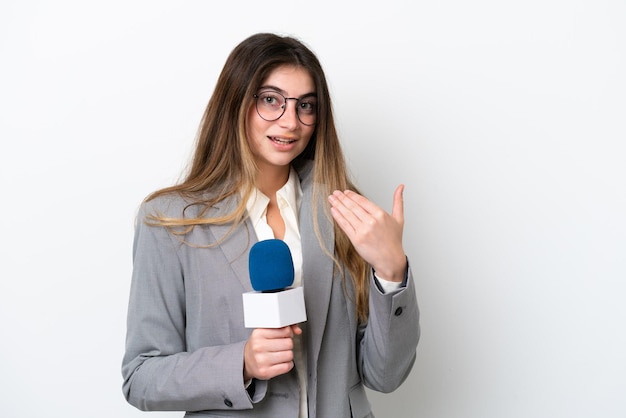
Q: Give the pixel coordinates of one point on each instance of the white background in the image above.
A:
(505, 120)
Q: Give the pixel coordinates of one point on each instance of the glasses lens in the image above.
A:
(307, 110)
(270, 105)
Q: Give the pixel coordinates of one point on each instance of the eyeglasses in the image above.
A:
(271, 105)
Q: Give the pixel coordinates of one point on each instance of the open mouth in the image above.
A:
(282, 141)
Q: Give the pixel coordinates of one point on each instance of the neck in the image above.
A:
(269, 180)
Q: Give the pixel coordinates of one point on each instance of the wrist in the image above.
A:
(393, 274)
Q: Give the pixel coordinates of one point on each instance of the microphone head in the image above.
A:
(271, 265)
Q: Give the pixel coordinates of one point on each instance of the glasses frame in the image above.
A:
(284, 106)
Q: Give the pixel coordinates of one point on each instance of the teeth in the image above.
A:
(282, 141)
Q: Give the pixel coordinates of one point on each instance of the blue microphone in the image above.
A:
(272, 303)
(271, 266)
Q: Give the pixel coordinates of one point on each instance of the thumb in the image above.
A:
(397, 211)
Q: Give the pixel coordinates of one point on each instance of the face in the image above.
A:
(275, 144)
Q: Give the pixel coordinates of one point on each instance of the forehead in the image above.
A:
(292, 80)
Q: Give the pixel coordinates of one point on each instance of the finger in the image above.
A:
(278, 357)
(272, 366)
(363, 203)
(348, 207)
(271, 340)
(397, 211)
(275, 333)
(342, 222)
(296, 329)
(344, 218)
(278, 369)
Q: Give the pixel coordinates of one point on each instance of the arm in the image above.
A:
(159, 373)
(388, 341)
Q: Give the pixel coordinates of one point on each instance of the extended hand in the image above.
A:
(375, 234)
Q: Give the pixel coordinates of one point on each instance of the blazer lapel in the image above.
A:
(236, 246)
(317, 267)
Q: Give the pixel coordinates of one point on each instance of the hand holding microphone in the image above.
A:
(269, 352)
(273, 308)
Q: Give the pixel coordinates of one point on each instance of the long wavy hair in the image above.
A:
(223, 162)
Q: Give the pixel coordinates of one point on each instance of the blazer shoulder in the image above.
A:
(169, 205)
(178, 205)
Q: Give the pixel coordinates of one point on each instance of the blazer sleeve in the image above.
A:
(159, 373)
(388, 341)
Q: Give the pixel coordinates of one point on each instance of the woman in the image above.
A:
(268, 164)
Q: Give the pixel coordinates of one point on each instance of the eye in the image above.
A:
(308, 105)
(270, 98)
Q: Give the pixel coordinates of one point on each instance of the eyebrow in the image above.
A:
(281, 91)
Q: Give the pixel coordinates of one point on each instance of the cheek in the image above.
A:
(309, 134)
(255, 126)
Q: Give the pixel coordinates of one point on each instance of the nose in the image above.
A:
(289, 119)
